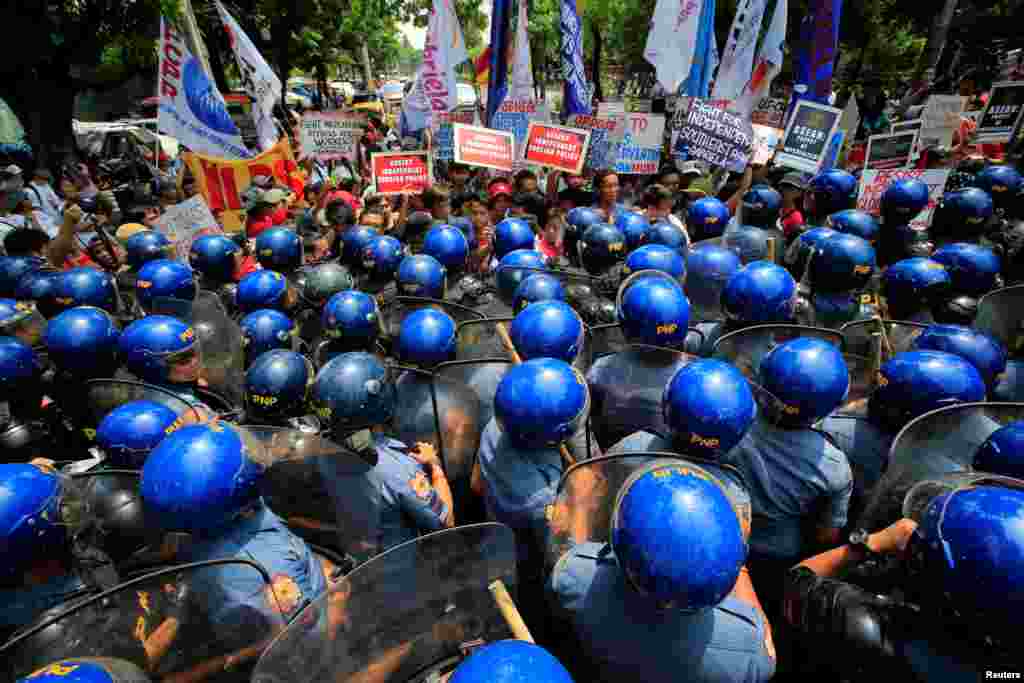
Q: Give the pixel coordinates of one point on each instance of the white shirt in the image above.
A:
(45, 199)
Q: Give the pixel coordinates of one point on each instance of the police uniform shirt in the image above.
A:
(789, 472)
(24, 604)
(409, 504)
(1011, 383)
(629, 638)
(866, 448)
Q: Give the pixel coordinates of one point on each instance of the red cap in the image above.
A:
(498, 189)
(346, 197)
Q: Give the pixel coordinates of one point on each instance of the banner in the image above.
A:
(191, 109)
(874, 183)
(258, 80)
(940, 118)
(497, 88)
(766, 139)
(522, 64)
(672, 40)
(768, 63)
(222, 181)
(1001, 113)
(557, 147)
(444, 136)
(738, 57)
(398, 172)
(705, 55)
(576, 98)
(485, 147)
(889, 152)
(640, 151)
(605, 136)
(819, 37)
(183, 223)
(806, 140)
(770, 111)
(835, 145)
(443, 50)
(514, 116)
(331, 135)
(716, 136)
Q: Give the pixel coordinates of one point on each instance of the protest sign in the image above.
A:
(716, 136)
(557, 147)
(940, 117)
(605, 136)
(874, 183)
(182, 223)
(806, 139)
(222, 181)
(514, 116)
(444, 134)
(770, 111)
(609, 110)
(331, 135)
(640, 151)
(486, 147)
(888, 152)
(1001, 112)
(905, 126)
(766, 139)
(834, 147)
(398, 172)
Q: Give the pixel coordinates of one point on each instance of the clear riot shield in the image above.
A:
(1001, 314)
(934, 445)
(864, 336)
(583, 507)
(207, 621)
(920, 496)
(394, 311)
(104, 395)
(408, 615)
(481, 376)
(608, 339)
(746, 348)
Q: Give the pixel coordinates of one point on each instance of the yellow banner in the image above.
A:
(222, 181)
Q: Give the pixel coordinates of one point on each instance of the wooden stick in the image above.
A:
(771, 250)
(509, 611)
(886, 344)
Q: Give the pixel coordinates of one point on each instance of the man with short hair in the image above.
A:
(437, 201)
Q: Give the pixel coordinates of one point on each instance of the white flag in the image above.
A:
(443, 51)
(738, 58)
(191, 108)
(415, 108)
(769, 62)
(673, 40)
(522, 67)
(258, 79)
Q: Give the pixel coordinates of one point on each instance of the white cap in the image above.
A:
(11, 170)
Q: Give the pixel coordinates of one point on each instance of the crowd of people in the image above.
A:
(710, 428)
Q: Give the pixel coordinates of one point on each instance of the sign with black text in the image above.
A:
(1001, 113)
(805, 142)
(714, 135)
(890, 152)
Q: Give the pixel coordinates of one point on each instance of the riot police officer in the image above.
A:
(828, 193)
(127, 434)
(708, 269)
(981, 350)
(322, 281)
(634, 227)
(281, 250)
(422, 276)
(87, 287)
(277, 386)
(164, 279)
(265, 330)
(350, 322)
(759, 293)
(266, 289)
(381, 258)
(838, 274)
(88, 670)
(577, 221)
(509, 661)
(656, 257)
(512, 269)
(1003, 452)
(512, 234)
(913, 287)
(449, 246)
(164, 351)
(548, 329)
(216, 259)
(855, 222)
(962, 216)
(23, 428)
(901, 202)
(145, 246)
(761, 206)
(21, 321)
(535, 288)
(973, 269)
(706, 218)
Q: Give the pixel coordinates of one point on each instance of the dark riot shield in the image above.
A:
(920, 496)
(206, 621)
(480, 339)
(861, 339)
(480, 376)
(1001, 314)
(115, 504)
(608, 338)
(104, 395)
(585, 502)
(746, 348)
(393, 311)
(408, 615)
(936, 444)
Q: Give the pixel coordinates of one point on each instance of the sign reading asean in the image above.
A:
(398, 172)
(557, 147)
(486, 147)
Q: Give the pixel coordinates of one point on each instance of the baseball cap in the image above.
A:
(497, 189)
(700, 185)
(691, 168)
(129, 229)
(794, 180)
(11, 170)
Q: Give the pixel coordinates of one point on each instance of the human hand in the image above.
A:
(425, 454)
(892, 539)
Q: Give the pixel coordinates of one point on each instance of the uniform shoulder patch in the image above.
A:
(283, 594)
(420, 485)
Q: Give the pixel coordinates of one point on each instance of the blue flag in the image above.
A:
(497, 83)
(577, 90)
(819, 37)
(705, 57)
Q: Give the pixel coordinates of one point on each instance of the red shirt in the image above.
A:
(249, 265)
(255, 226)
(549, 250)
(80, 261)
(791, 221)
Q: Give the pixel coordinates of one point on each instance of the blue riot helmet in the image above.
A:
(576, 223)
(656, 257)
(652, 309)
(13, 268)
(903, 200)
(353, 393)
(830, 192)
(751, 243)
(223, 471)
(515, 267)
(668, 235)
(548, 329)
(164, 279)
(761, 206)
(511, 235)
(855, 222)
(708, 269)
(88, 670)
(215, 257)
(803, 249)
(1001, 182)
(677, 536)
(981, 350)
(161, 349)
(39, 286)
(913, 383)
(352, 318)
(382, 256)
(962, 215)
(277, 385)
(537, 287)
(354, 241)
(146, 246)
(87, 287)
(324, 280)
(914, 284)
(426, 338)
(708, 406)
(1003, 452)
(266, 330)
(974, 269)
(19, 368)
(22, 320)
(760, 293)
(706, 218)
(265, 289)
(601, 247)
(844, 263)
(541, 402)
(129, 432)
(511, 661)
(448, 245)
(634, 227)
(421, 276)
(83, 341)
(279, 249)
(806, 378)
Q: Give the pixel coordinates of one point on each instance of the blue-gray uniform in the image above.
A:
(1011, 383)
(628, 638)
(22, 605)
(866, 448)
(789, 473)
(261, 536)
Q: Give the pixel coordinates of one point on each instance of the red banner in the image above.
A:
(476, 146)
(557, 147)
(398, 172)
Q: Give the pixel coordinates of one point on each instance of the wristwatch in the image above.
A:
(859, 541)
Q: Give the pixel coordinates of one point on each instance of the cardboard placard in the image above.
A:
(640, 151)
(182, 223)
(889, 152)
(514, 116)
(398, 172)
(716, 136)
(805, 142)
(331, 135)
(940, 118)
(874, 183)
(1004, 106)
(485, 147)
(605, 137)
(770, 111)
(557, 147)
(444, 136)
